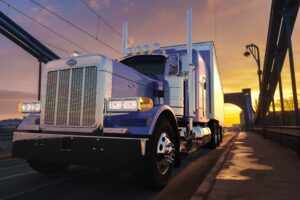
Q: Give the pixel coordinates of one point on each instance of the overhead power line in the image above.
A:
(46, 27)
(106, 22)
(76, 27)
(57, 48)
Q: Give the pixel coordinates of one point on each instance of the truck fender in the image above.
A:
(167, 113)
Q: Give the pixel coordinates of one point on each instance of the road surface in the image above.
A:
(19, 181)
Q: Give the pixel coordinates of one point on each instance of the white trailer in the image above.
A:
(214, 104)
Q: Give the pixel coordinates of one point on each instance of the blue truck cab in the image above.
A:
(139, 113)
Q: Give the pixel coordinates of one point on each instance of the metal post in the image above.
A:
(39, 79)
(292, 68)
(125, 35)
(263, 115)
(281, 101)
(254, 50)
(277, 60)
(274, 114)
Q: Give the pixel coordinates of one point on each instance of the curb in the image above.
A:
(208, 182)
(5, 155)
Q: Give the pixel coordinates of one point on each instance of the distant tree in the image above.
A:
(288, 104)
(255, 105)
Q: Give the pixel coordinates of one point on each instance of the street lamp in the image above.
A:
(254, 51)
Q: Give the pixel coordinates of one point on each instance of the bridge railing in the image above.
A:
(286, 136)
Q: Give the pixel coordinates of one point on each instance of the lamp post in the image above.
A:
(254, 51)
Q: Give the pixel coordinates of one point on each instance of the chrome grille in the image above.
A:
(63, 95)
(71, 97)
(76, 92)
(89, 96)
(50, 98)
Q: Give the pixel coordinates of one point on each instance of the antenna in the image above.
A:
(125, 34)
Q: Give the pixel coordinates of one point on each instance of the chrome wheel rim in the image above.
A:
(165, 153)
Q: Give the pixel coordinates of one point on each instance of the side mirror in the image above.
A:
(173, 65)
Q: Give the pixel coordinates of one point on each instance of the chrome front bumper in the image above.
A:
(120, 153)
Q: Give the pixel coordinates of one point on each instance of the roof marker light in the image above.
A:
(138, 50)
(156, 46)
(146, 48)
(129, 51)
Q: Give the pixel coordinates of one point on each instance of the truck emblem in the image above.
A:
(71, 62)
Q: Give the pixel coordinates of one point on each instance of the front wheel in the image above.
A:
(160, 157)
(46, 167)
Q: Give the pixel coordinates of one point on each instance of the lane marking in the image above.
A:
(15, 166)
(17, 175)
(48, 184)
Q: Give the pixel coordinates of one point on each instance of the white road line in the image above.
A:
(17, 175)
(46, 185)
(11, 167)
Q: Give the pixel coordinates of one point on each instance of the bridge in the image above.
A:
(264, 159)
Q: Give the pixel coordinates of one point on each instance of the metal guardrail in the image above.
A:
(286, 136)
(6, 136)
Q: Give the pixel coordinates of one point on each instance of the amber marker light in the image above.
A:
(145, 104)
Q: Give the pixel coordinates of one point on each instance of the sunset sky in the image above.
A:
(231, 24)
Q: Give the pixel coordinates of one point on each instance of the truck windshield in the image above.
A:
(147, 64)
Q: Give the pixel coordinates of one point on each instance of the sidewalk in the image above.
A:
(258, 169)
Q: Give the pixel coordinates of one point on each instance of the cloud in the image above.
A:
(96, 5)
(229, 8)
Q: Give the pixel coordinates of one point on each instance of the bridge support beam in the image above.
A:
(278, 70)
(39, 79)
(286, 17)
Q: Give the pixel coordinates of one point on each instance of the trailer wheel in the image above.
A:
(160, 157)
(219, 137)
(214, 140)
(46, 167)
(221, 134)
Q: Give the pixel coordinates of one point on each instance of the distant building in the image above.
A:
(236, 127)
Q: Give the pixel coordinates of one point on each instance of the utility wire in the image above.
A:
(77, 27)
(106, 22)
(57, 48)
(46, 27)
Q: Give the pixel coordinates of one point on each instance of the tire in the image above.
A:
(214, 140)
(46, 167)
(221, 134)
(160, 157)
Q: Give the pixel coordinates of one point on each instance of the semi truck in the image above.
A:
(140, 113)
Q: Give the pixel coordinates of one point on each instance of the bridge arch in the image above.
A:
(243, 101)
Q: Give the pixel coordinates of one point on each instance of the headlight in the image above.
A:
(130, 104)
(29, 107)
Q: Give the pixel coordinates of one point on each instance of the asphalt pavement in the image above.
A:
(19, 181)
